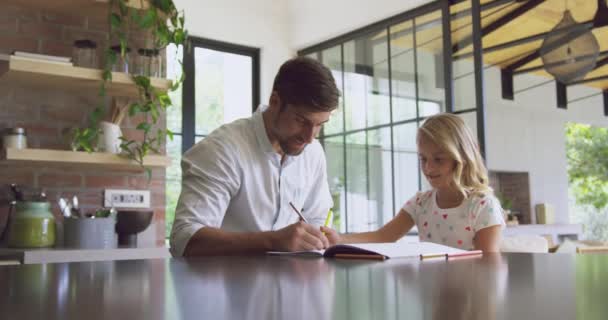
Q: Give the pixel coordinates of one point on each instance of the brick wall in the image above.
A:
(514, 186)
(48, 113)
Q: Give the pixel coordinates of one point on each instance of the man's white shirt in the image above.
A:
(234, 180)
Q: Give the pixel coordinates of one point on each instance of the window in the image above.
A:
(221, 85)
(391, 75)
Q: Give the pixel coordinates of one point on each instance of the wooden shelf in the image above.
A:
(91, 8)
(69, 78)
(71, 158)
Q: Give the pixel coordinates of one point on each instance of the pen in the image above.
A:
(298, 212)
(465, 254)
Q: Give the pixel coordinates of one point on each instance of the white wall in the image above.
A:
(313, 21)
(280, 28)
(528, 134)
(261, 23)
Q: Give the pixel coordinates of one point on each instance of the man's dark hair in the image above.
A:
(306, 82)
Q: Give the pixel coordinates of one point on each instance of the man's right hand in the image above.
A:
(300, 236)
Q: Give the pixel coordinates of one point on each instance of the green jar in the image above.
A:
(32, 226)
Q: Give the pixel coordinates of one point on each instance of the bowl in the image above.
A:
(131, 222)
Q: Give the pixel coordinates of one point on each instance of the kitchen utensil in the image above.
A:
(65, 210)
(40, 197)
(18, 195)
(75, 209)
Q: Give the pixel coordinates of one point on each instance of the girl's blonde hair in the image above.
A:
(452, 135)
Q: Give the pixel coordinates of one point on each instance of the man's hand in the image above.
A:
(300, 236)
(332, 236)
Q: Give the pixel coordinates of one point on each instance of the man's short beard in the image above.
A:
(284, 145)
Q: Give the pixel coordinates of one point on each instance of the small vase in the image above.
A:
(109, 138)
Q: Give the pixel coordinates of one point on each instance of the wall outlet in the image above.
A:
(126, 198)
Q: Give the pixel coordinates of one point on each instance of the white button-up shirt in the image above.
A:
(234, 180)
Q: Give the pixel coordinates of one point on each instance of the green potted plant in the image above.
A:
(507, 206)
(164, 24)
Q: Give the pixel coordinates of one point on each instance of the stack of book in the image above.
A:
(36, 57)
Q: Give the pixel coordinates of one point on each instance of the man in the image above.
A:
(238, 182)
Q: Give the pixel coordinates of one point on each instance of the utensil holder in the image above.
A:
(89, 233)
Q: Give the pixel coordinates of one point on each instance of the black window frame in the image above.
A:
(188, 88)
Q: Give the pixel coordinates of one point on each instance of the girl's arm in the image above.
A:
(390, 232)
(487, 239)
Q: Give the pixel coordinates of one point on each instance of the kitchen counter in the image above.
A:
(498, 287)
(557, 232)
(55, 255)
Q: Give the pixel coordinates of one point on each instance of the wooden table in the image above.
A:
(510, 286)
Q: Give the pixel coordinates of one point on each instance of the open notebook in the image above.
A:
(382, 250)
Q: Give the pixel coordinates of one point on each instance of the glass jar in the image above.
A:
(149, 63)
(84, 54)
(14, 138)
(143, 62)
(32, 226)
(122, 62)
(156, 61)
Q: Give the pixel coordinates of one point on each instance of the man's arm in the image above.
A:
(296, 237)
(210, 178)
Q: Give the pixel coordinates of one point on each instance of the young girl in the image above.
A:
(460, 211)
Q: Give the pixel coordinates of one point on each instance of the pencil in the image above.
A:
(359, 256)
(328, 219)
(465, 254)
(298, 212)
(432, 256)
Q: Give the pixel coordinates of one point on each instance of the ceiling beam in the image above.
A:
(562, 95)
(601, 63)
(431, 24)
(500, 22)
(600, 78)
(605, 94)
(518, 42)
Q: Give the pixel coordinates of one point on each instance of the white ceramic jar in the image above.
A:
(14, 138)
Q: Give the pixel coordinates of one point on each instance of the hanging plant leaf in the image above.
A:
(124, 9)
(143, 126)
(115, 21)
(154, 113)
(148, 19)
(134, 108)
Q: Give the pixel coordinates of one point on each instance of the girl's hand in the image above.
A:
(332, 236)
